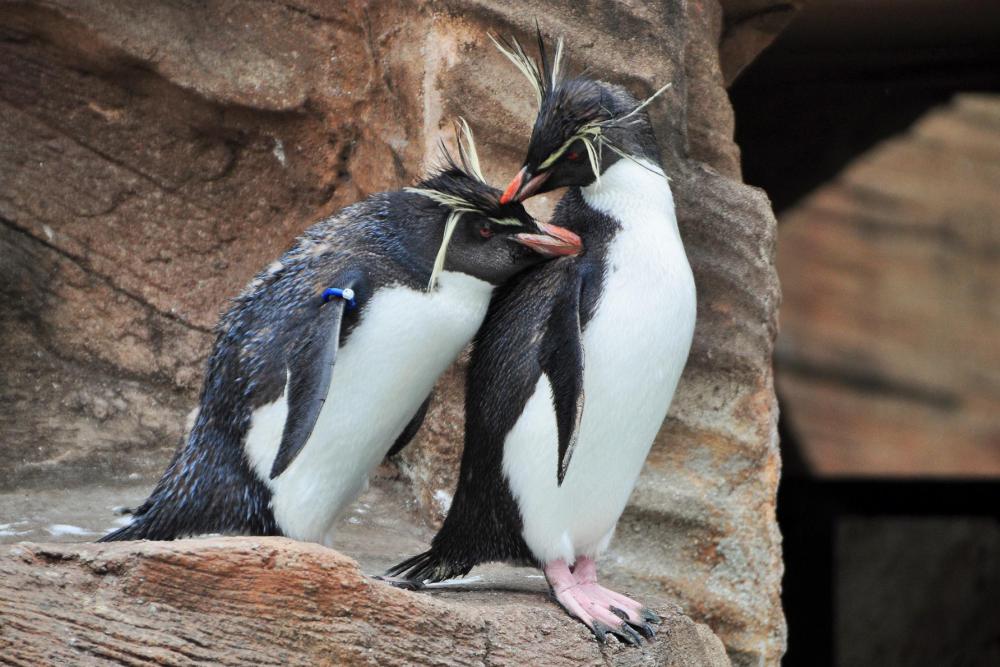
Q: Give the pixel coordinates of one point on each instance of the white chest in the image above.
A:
(383, 373)
(635, 348)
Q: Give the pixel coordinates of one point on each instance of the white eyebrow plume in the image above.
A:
(467, 152)
(530, 68)
(523, 62)
(557, 62)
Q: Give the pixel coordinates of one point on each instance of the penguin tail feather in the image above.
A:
(427, 567)
(144, 526)
(128, 532)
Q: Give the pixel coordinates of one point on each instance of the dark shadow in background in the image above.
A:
(847, 74)
(881, 572)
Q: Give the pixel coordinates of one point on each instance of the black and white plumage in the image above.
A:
(303, 397)
(576, 365)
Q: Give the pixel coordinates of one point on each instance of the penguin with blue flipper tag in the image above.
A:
(325, 362)
(576, 364)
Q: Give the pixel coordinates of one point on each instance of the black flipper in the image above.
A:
(411, 429)
(310, 372)
(562, 361)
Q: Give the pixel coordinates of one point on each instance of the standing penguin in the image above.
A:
(575, 367)
(327, 359)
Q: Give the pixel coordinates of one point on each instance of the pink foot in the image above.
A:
(591, 604)
(585, 573)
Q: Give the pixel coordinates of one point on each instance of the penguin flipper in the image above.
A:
(310, 373)
(562, 362)
(411, 429)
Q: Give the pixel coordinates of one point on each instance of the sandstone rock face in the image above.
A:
(151, 160)
(889, 332)
(272, 601)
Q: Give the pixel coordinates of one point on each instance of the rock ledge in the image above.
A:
(236, 601)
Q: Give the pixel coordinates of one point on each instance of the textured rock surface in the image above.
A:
(272, 601)
(888, 356)
(151, 160)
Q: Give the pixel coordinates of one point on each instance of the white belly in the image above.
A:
(635, 348)
(382, 374)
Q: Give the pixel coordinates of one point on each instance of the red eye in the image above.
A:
(572, 155)
(485, 231)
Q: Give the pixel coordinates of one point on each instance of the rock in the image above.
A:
(888, 344)
(151, 161)
(273, 601)
(750, 27)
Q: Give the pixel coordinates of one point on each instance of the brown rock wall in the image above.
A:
(889, 350)
(152, 160)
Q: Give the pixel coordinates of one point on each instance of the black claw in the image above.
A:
(601, 632)
(646, 630)
(651, 616)
(627, 635)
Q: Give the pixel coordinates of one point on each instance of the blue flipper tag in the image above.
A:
(347, 294)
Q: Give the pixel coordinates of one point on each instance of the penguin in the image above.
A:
(325, 362)
(576, 364)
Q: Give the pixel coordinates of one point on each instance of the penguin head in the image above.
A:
(482, 236)
(583, 126)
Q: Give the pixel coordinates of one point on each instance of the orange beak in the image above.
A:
(554, 241)
(523, 186)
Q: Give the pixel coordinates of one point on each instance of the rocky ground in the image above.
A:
(276, 601)
(271, 601)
